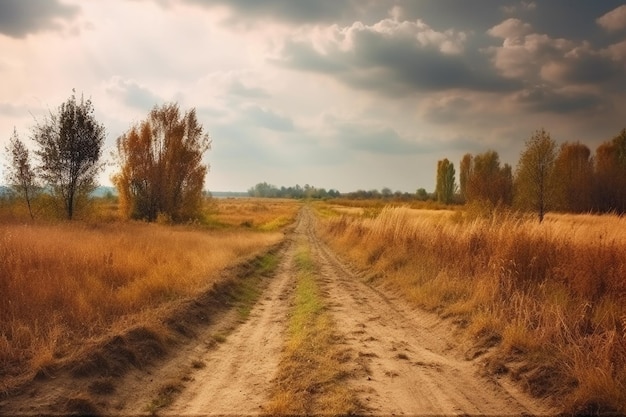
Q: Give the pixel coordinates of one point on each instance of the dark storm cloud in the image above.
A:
(588, 67)
(396, 58)
(448, 111)
(294, 11)
(542, 99)
(571, 19)
(18, 18)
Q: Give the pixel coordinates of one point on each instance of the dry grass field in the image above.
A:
(543, 303)
(64, 283)
(264, 214)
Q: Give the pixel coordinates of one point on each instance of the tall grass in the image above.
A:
(61, 284)
(552, 296)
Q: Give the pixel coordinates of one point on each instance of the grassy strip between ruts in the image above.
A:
(310, 376)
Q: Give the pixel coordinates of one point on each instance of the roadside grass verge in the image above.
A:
(310, 374)
(66, 285)
(91, 373)
(544, 303)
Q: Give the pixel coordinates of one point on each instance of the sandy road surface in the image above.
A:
(238, 374)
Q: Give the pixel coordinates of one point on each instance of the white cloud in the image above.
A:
(618, 52)
(523, 54)
(510, 29)
(537, 59)
(614, 20)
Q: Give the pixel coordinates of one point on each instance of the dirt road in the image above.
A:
(409, 357)
(413, 364)
(237, 375)
(404, 361)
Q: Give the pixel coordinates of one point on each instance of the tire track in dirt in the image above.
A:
(411, 363)
(238, 374)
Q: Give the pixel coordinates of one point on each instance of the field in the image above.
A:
(66, 283)
(544, 303)
(342, 307)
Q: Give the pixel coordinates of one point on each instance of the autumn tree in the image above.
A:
(533, 176)
(446, 186)
(611, 174)
(484, 179)
(161, 169)
(573, 178)
(70, 145)
(20, 173)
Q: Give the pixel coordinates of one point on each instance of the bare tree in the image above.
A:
(70, 145)
(21, 174)
(533, 179)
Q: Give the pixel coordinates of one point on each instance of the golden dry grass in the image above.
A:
(265, 214)
(68, 282)
(551, 295)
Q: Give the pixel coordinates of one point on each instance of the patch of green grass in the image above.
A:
(164, 397)
(275, 224)
(268, 264)
(246, 296)
(248, 292)
(324, 211)
(219, 337)
(310, 377)
(308, 303)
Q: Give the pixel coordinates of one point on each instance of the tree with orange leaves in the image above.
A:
(162, 173)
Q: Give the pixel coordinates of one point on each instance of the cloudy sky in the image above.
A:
(344, 94)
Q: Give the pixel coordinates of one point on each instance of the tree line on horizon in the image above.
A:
(265, 190)
(566, 178)
(161, 173)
